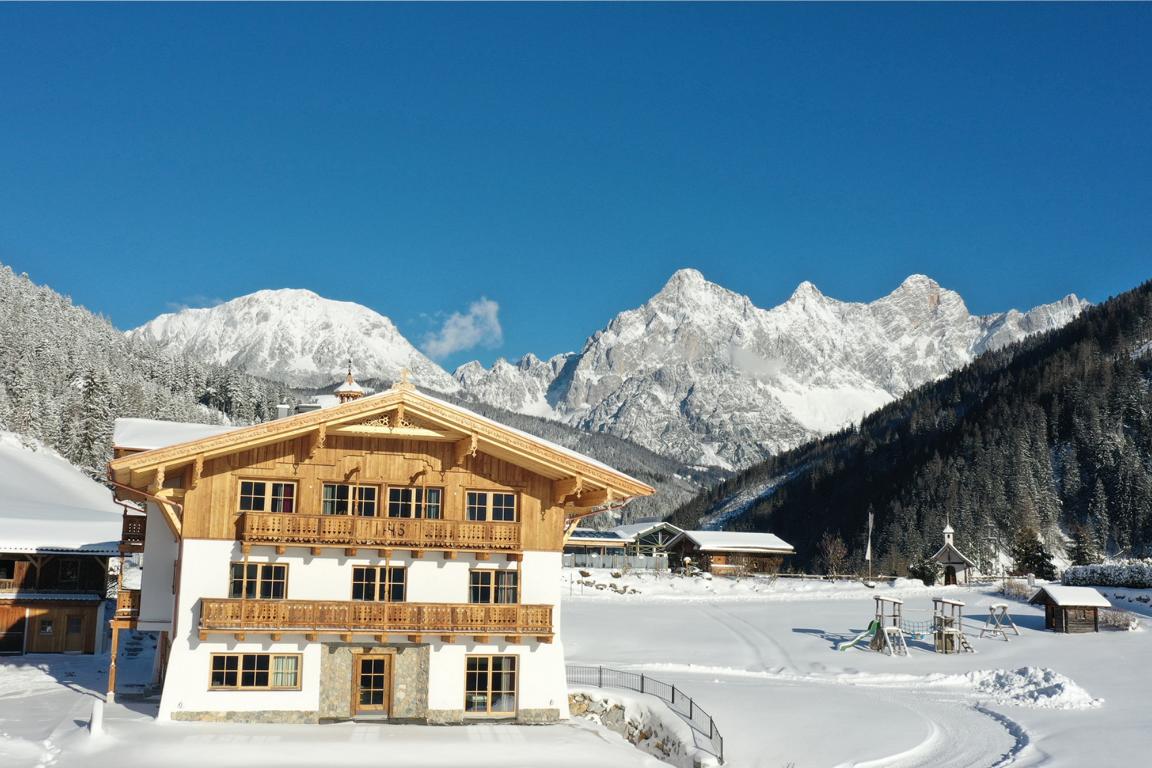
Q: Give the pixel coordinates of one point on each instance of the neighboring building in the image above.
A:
(1070, 609)
(727, 552)
(642, 538)
(590, 543)
(958, 569)
(392, 557)
(58, 530)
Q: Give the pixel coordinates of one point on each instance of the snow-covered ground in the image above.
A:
(758, 655)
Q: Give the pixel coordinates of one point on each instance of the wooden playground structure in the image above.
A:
(889, 630)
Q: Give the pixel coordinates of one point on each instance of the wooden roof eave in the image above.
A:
(137, 468)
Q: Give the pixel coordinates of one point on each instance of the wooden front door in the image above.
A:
(949, 576)
(372, 684)
(74, 633)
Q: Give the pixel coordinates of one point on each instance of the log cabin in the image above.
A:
(1070, 609)
(393, 557)
(58, 530)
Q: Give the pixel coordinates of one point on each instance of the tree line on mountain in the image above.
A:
(1049, 440)
(66, 374)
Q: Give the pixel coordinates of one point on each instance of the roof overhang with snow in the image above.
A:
(579, 482)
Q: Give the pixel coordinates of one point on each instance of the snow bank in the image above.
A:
(1034, 687)
(1136, 574)
(651, 585)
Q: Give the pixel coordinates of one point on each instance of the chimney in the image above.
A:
(283, 410)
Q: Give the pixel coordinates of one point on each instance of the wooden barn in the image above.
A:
(1070, 609)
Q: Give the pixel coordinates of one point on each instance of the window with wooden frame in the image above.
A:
(490, 685)
(69, 572)
(339, 498)
(265, 496)
(415, 502)
(255, 671)
(493, 586)
(380, 583)
(490, 505)
(259, 581)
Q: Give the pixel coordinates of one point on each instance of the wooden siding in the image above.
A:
(46, 629)
(211, 507)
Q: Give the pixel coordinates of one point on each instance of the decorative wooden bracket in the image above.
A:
(465, 448)
(568, 486)
(197, 471)
(319, 438)
(157, 483)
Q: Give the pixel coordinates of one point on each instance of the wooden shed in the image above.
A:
(1070, 609)
(728, 552)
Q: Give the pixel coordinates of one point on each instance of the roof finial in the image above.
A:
(404, 383)
(349, 379)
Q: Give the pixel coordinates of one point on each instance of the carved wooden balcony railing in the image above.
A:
(132, 533)
(128, 604)
(8, 585)
(348, 531)
(446, 620)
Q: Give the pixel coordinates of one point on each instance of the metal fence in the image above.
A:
(616, 562)
(680, 703)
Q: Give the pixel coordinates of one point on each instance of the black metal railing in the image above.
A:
(679, 702)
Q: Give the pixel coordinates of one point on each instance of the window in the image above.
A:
(259, 581)
(488, 505)
(47, 627)
(270, 671)
(492, 586)
(490, 686)
(415, 502)
(260, 496)
(379, 582)
(338, 499)
(7, 569)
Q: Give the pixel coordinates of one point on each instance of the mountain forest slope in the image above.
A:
(66, 374)
(1053, 433)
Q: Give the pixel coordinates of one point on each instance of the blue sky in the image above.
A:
(562, 161)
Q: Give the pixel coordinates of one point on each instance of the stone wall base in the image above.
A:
(445, 716)
(537, 716)
(255, 716)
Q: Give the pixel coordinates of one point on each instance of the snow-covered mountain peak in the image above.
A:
(806, 291)
(296, 336)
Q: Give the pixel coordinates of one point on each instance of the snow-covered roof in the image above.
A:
(737, 541)
(147, 434)
(1072, 596)
(47, 505)
(350, 386)
(632, 531)
(949, 554)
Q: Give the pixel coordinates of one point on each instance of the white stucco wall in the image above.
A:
(205, 572)
(161, 548)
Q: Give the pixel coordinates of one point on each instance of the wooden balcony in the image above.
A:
(132, 533)
(448, 621)
(315, 531)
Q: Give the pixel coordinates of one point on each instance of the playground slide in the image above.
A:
(872, 627)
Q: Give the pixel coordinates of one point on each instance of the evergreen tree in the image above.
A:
(1030, 556)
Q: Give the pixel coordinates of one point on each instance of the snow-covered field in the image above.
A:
(759, 656)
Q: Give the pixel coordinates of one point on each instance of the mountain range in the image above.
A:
(698, 372)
